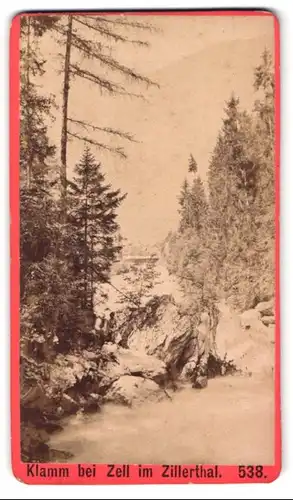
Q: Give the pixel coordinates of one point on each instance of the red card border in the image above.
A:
(229, 474)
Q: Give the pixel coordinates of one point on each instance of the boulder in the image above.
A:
(141, 364)
(109, 348)
(70, 369)
(188, 370)
(133, 362)
(130, 391)
(266, 308)
(200, 382)
(268, 320)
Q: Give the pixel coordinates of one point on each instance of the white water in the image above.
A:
(229, 422)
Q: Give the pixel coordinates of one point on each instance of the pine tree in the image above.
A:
(36, 151)
(192, 200)
(35, 148)
(36, 204)
(184, 209)
(232, 187)
(198, 205)
(192, 165)
(188, 252)
(265, 130)
(92, 218)
(47, 291)
(43, 286)
(264, 82)
(264, 150)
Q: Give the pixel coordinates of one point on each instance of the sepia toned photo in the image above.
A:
(147, 196)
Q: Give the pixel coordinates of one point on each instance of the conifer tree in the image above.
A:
(265, 130)
(36, 151)
(188, 252)
(46, 285)
(43, 291)
(93, 221)
(198, 205)
(192, 165)
(192, 200)
(184, 206)
(263, 261)
(227, 179)
(35, 148)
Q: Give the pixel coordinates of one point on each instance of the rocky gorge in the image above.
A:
(157, 351)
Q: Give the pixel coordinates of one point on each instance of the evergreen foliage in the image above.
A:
(224, 247)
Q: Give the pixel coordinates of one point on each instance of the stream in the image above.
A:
(229, 422)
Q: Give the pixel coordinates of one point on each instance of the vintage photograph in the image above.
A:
(147, 238)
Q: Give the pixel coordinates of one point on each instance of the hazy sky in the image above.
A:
(197, 61)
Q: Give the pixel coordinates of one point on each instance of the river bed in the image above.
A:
(229, 422)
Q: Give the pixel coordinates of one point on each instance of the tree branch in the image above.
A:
(118, 151)
(87, 46)
(107, 130)
(116, 66)
(80, 43)
(111, 87)
(94, 52)
(124, 22)
(104, 31)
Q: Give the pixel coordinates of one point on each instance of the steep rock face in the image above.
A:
(243, 342)
(170, 337)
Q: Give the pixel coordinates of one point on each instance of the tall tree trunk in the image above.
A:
(86, 251)
(92, 278)
(66, 85)
(91, 267)
(27, 110)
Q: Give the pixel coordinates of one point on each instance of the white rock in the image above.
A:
(133, 362)
(130, 391)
